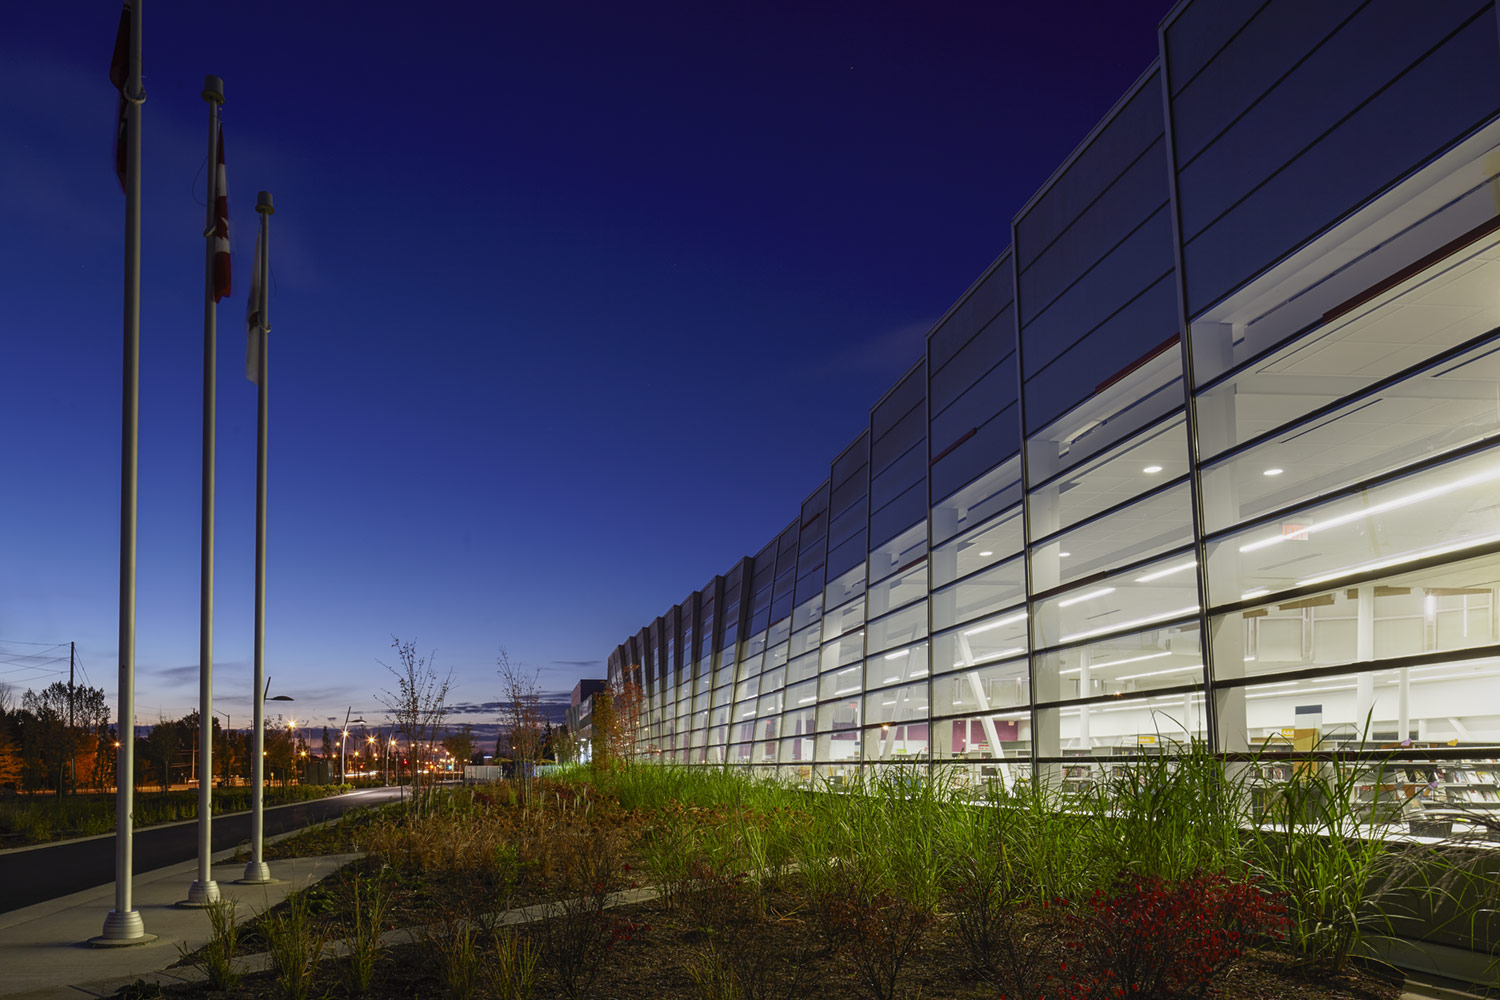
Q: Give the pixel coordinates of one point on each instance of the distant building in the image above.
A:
(581, 715)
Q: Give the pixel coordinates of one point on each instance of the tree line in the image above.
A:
(61, 740)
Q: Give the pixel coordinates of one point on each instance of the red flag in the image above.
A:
(119, 74)
(221, 226)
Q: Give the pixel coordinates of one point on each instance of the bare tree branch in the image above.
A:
(418, 705)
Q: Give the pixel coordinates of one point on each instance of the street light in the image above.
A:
(257, 872)
(344, 745)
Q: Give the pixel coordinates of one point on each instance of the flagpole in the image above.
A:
(257, 871)
(123, 924)
(204, 889)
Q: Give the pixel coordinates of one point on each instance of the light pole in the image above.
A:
(344, 746)
(228, 728)
(257, 872)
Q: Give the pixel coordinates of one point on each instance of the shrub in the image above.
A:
(1155, 938)
(992, 920)
(575, 932)
(879, 931)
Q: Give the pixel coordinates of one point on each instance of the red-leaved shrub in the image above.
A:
(1150, 937)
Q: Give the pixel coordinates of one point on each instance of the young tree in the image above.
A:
(627, 703)
(601, 729)
(281, 752)
(162, 745)
(521, 714)
(564, 745)
(418, 705)
(461, 744)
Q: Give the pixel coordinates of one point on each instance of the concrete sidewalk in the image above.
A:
(42, 949)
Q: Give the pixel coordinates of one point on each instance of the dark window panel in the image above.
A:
(987, 349)
(910, 468)
(1119, 143)
(1128, 201)
(905, 397)
(899, 439)
(976, 311)
(994, 393)
(1094, 361)
(900, 514)
(1370, 51)
(1094, 301)
(1393, 134)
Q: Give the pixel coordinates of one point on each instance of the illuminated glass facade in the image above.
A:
(1072, 533)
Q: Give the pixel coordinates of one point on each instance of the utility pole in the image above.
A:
(72, 738)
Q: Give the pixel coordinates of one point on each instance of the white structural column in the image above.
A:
(1046, 573)
(1216, 423)
(1364, 651)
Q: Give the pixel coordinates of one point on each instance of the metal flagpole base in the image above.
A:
(121, 930)
(202, 894)
(257, 873)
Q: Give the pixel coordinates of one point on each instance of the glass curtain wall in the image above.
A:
(1275, 534)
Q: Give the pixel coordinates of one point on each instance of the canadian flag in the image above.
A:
(221, 226)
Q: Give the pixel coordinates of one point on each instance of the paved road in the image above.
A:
(42, 873)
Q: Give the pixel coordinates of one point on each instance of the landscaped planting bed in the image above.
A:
(900, 888)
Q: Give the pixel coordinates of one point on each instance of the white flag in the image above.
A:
(253, 323)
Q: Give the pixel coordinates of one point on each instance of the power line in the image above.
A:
(50, 659)
(38, 655)
(22, 670)
(23, 642)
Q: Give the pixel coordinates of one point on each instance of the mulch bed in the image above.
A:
(654, 963)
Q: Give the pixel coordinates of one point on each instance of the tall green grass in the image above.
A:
(920, 833)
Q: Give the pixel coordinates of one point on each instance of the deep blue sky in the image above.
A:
(572, 305)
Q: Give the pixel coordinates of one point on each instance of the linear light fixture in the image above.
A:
(1116, 663)
(1131, 659)
(1007, 620)
(1298, 694)
(1435, 550)
(1166, 572)
(898, 654)
(1101, 592)
(999, 654)
(1379, 508)
(1158, 673)
(1127, 624)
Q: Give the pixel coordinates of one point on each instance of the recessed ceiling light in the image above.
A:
(1151, 470)
(1272, 472)
(985, 555)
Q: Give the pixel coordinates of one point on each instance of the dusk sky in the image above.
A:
(572, 305)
